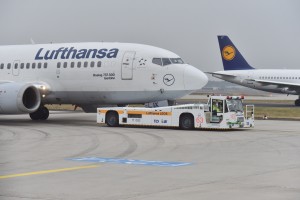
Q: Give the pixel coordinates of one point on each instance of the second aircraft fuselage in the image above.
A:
(251, 78)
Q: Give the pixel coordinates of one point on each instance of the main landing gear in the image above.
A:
(297, 102)
(41, 114)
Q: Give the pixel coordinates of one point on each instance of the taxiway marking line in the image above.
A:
(48, 171)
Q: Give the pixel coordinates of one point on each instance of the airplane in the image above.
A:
(238, 71)
(89, 75)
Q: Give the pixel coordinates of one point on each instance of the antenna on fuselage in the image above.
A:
(32, 41)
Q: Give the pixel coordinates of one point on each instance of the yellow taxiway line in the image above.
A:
(48, 171)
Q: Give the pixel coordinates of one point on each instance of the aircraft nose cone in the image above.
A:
(194, 79)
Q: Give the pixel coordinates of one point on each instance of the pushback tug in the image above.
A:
(221, 112)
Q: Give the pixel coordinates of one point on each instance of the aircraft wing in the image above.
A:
(291, 86)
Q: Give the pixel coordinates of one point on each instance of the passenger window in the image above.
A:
(22, 66)
(79, 64)
(8, 66)
(85, 64)
(2, 66)
(33, 66)
(27, 65)
(72, 64)
(65, 64)
(92, 64)
(16, 66)
(58, 65)
(166, 61)
(45, 65)
(157, 61)
(99, 64)
(39, 65)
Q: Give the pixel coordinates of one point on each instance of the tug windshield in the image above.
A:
(234, 105)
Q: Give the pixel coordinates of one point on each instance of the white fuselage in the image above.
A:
(98, 73)
(262, 79)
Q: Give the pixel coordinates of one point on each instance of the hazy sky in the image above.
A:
(267, 32)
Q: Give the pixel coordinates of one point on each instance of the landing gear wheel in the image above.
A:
(186, 122)
(41, 114)
(44, 113)
(112, 119)
(34, 115)
(297, 102)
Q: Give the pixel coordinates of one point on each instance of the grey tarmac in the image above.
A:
(259, 163)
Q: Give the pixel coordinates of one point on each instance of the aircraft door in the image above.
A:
(16, 68)
(127, 65)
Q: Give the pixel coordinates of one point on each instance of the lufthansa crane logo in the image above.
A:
(169, 79)
(228, 52)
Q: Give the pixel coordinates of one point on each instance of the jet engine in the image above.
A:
(288, 91)
(17, 98)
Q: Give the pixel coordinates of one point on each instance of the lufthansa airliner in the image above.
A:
(89, 75)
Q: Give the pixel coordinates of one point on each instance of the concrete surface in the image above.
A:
(259, 163)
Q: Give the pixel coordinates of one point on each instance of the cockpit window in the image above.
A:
(177, 61)
(166, 61)
(157, 61)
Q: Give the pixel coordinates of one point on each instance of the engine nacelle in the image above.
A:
(17, 98)
(288, 91)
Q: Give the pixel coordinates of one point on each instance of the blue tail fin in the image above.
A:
(231, 57)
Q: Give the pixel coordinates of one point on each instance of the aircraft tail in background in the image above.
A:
(231, 57)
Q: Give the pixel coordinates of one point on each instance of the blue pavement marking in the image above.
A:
(131, 162)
